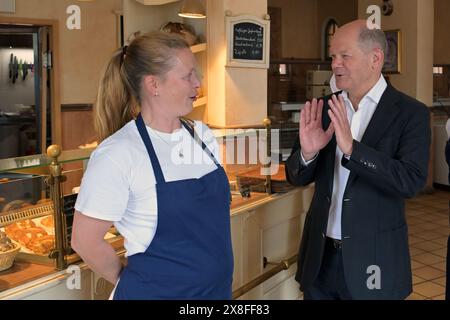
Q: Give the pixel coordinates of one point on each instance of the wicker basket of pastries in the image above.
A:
(8, 251)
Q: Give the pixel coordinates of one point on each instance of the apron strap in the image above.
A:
(151, 151)
(190, 128)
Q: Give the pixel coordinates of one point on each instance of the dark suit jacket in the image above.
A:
(389, 164)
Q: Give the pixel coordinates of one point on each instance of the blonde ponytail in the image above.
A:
(118, 98)
(115, 105)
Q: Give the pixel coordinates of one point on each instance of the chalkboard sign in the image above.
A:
(248, 42)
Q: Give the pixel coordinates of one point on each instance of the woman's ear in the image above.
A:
(151, 85)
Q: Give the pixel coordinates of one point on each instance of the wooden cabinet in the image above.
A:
(270, 232)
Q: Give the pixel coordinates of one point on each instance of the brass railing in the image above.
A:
(280, 266)
(54, 182)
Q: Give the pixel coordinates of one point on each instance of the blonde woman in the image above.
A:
(173, 213)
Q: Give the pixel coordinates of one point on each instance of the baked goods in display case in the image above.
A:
(15, 205)
(8, 251)
(33, 237)
(31, 227)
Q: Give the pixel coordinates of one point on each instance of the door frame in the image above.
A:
(53, 26)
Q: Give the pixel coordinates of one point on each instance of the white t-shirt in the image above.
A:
(119, 184)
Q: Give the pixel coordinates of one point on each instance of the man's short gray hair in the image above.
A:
(370, 39)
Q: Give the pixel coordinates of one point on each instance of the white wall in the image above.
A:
(414, 18)
(22, 91)
(236, 96)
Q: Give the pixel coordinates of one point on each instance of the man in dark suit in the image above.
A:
(366, 152)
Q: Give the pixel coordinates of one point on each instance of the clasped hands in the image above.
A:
(313, 137)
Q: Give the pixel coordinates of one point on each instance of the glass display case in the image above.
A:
(37, 198)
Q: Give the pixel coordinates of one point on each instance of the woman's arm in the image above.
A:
(88, 241)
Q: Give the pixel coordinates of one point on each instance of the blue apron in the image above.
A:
(190, 256)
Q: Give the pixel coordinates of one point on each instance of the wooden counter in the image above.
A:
(24, 273)
(29, 277)
(21, 273)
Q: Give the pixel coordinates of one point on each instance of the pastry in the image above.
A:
(13, 205)
(20, 225)
(48, 222)
(27, 236)
(42, 245)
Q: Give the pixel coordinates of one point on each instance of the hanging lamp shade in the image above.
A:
(192, 9)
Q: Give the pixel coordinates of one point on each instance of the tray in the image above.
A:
(256, 181)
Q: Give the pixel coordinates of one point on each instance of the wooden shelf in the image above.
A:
(200, 102)
(198, 47)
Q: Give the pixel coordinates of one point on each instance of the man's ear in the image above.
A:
(150, 83)
(378, 57)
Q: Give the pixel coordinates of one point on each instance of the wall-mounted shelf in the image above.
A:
(198, 47)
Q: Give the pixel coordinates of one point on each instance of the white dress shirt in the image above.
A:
(359, 121)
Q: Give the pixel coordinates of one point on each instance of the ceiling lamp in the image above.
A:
(192, 9)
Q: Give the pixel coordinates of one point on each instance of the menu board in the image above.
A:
(247, 41)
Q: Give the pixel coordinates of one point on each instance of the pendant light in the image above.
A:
(192, 9)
